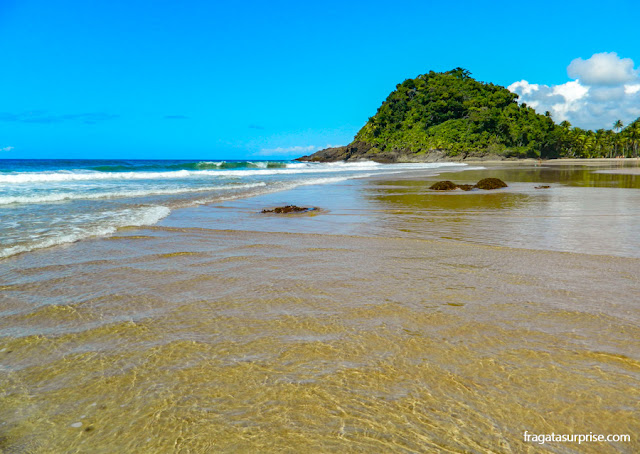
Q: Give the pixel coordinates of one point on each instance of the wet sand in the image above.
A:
(595, 162)
(623, 171)
(396, 320)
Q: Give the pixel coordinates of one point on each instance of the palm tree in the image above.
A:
(634, 134)
(590, 144)
(618, 125)
(608, 139)
(625, 142)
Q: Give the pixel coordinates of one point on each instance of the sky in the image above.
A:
(278, 79)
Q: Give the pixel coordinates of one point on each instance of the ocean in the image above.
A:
(392, 319)
(49, 202)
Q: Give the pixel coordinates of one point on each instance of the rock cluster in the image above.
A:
(491, 183)
(287, 209)
(485, 183)
(444, 186)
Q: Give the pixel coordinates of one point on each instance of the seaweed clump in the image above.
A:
(491, 183)
(444, 186)
(287, 209)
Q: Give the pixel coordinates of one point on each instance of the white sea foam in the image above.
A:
(314, 181)
(62, 176)
(60, 196)
(49, 225)
(329, 180)
(127, 217)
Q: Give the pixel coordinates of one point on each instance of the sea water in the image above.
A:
(49, 202)
(431, 322)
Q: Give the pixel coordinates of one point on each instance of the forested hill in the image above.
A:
(451, 116)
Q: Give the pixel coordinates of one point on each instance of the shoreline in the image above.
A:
(152, 203)
(264, 339)
(564, 161)
(388, 322)
(523, 161)
(511, 217)
(281, 197)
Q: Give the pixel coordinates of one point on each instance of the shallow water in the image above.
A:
(574, 214)
(581, 211)
(44, 203)
(355, 329)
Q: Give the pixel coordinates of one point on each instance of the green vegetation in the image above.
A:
(458, 115)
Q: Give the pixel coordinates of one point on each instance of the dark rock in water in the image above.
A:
(450, 186)
(288, 209)
(543, 187)
(491, 183)
(444, 186)
(485, 183)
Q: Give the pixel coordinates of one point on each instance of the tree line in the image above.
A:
(453, 112)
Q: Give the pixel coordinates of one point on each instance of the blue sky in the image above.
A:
(206, 79)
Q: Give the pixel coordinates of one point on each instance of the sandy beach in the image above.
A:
(394, 319)
(268, 228)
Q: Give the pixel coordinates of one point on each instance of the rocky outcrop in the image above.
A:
(444, 186)
(358, 151)
(486, 183)
(288, 209)
(491, 183)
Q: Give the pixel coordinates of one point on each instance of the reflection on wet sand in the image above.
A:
(582, 176)
(200, 339)
(579, 212)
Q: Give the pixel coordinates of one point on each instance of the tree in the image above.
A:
(634, 133)
(565, 124)
(453, 112)
(616, 125)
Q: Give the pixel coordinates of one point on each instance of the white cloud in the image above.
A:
(291, 151)
(607, 88)
(603, 69)
(296, 149)
(7, 148)
(287, 151)
(571, 91)
(631, 89)
(524, 87)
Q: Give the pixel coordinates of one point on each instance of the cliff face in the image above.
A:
(448, 117)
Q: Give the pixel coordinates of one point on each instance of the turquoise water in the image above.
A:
(49, 202)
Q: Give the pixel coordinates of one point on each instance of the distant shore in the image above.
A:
(591, 161)
(358, 151)
(623, 162)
